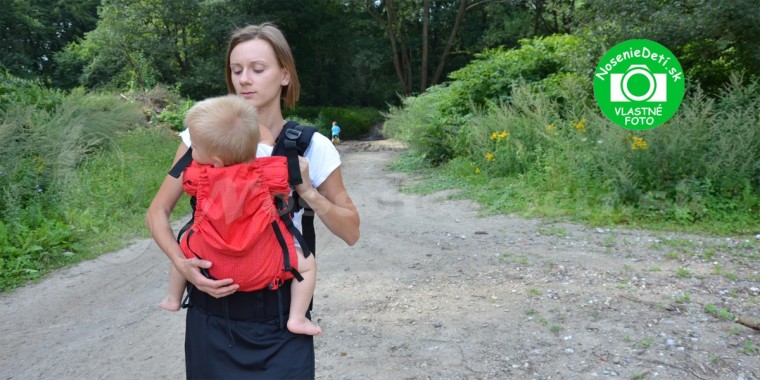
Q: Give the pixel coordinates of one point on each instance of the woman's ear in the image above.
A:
(285, 77)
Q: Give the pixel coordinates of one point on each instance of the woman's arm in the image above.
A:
(332, 203)
(157, 221)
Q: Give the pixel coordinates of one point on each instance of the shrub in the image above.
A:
(14, 91)
(482, 87)
(353, 121)
(43, 147)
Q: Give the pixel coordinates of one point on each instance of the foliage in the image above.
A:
(432, 121)
(115, 187)
(491, 76)
(173, 115)
(31, 31)
(14, 90)
(353, 121)
(702, 166)
(712, 39)
(45, 145)
(419, 121)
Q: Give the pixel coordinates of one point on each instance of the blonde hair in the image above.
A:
(226, 127)
(270, 33)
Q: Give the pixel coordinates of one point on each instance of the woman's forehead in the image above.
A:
(252, 51)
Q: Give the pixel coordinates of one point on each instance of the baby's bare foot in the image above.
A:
(169, 304)
(303, 326)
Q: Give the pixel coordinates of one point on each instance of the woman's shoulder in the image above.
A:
(321, 147)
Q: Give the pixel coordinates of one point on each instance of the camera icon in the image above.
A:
(657, 91)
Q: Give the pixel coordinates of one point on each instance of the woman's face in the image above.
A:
(256, 74)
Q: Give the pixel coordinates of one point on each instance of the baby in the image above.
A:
(235, 210)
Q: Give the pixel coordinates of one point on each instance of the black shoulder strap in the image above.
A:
(293, 141)
(182, 163)
(175, 172)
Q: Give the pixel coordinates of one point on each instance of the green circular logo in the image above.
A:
(639, 84)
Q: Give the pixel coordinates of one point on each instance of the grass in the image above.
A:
(101, 208)
(683, 273)
(523, 195)
(719, 312)
(115, 189)
(686, 298)
(749, 348)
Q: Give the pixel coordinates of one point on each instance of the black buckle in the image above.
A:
(292, 134)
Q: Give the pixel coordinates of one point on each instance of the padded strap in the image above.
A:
(182, 163)
(285, 252)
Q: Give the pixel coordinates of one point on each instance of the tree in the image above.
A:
(137, 43)
(401, 20)
(31, 31)
(711, 39)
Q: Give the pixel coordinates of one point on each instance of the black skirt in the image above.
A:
(243, 336)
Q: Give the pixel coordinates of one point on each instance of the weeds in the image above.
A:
(749, 348)
(719, 313)
(683, 273)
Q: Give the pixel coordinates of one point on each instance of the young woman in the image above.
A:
(231, 334)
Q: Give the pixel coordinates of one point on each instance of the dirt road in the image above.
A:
(431, 290)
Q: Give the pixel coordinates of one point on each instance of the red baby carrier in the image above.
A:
(242, 215)
(236, 224)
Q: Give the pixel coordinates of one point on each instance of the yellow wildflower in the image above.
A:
(490, 157)
(40, 163)
(638, 143)
(580, 125)
(477, 170)
(498, 136)
(551, 128)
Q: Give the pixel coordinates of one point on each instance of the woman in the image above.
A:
(232, 334)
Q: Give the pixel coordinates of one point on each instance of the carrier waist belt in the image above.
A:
(257, 306)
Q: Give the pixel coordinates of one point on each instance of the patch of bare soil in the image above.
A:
(432, 291)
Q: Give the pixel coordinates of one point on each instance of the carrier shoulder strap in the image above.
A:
(293, 141)
(175, 172)
(182, 163)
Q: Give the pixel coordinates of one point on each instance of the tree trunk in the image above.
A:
(538, 16)
(425, 47)
(449, 42)
(389, 30)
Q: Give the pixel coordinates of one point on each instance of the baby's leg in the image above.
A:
(301, 294)
(177, 285)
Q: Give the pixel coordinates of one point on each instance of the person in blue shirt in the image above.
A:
(335, 132)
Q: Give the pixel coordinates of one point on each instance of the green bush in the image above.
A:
(704, 162)
(44, 146)
(492, 76)
(483, 86)
(419, 122)
(353, 121)
(15, 91)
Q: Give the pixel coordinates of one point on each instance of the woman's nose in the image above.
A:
(245, 76)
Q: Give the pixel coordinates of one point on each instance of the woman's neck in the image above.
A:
(271, 119)
(270, 124)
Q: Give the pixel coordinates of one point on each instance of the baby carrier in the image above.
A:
(242, 215)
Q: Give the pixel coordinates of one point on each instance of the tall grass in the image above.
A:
(703, 166)
(76, 175)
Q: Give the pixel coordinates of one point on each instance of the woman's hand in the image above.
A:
(157, 221)
(331, 203)
(191, 270)
(305, 187)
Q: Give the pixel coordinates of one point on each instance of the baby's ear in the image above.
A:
(217, 162)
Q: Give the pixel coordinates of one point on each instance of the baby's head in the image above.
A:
(224, 130)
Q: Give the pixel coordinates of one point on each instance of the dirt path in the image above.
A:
(431, 291)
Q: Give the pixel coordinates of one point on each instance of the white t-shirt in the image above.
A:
(321, 153)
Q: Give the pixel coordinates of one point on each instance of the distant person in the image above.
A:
(238, 235)
(335, 132)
